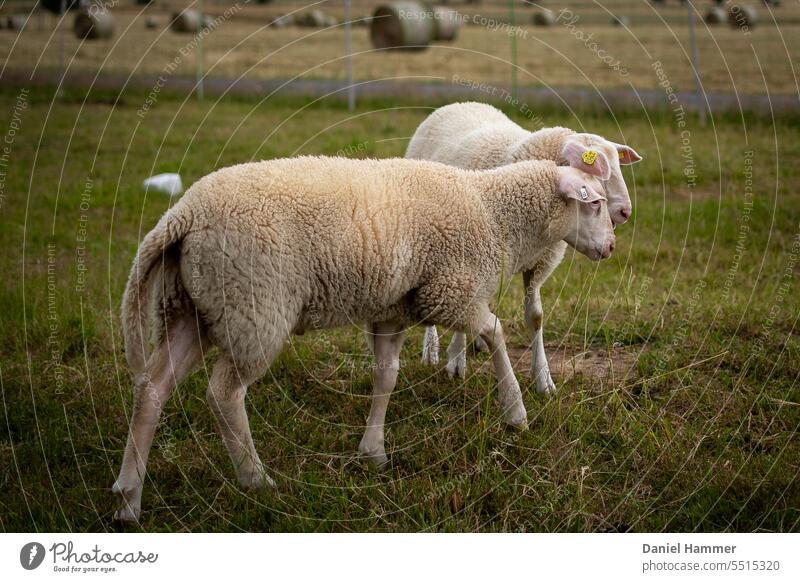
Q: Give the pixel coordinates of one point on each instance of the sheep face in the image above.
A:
(602, 158)
(591, 231)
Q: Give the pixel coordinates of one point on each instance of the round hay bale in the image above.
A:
(93, 24)
(282, 21)
(544, 17)
(621, 21)
(314, 19)
(151, 22)
(186, 21)
(16, 22)
(742, 16)
(447, 23)
(402, 25)
(715, 15)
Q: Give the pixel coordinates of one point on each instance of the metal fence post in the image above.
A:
(199, 52)
(348, 47)
(701, 108)
(61, 50)
(513, 18)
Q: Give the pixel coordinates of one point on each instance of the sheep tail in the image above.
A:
(155, 250)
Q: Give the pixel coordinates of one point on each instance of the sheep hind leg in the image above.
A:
(430, 346)
(457, 356)
(388, 343)
(226, 397)
(509, 394)
(170, 363)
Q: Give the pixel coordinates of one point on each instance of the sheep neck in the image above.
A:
(545, 144)
(525, 205)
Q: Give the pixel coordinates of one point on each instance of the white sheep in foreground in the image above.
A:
(254, 253)
(477, 136)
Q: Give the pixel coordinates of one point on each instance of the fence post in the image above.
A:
(61, 67)
(701, 108)
(513, 18)
(348, 47)
(199, 53)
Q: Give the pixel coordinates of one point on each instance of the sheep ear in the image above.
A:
(627, 156)
(571, 185)
(587, 159)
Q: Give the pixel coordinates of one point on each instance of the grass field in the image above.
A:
(564, 55)
(677, 360)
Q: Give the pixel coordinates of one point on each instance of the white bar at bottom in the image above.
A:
(389, 557)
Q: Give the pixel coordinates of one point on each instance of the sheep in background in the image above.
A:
(478, 136)
(257, 252)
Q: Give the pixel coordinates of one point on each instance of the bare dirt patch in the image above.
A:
(617, 364)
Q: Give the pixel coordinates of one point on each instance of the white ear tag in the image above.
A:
(584, 193)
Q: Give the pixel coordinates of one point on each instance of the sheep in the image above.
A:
(257, 252)
(479, 136)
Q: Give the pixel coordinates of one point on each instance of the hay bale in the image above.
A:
(16, 22)
(151, 22)
(93, 24)
(315, 19)
(544, 17)
(743, 17)
(282, 21)
(188, 21)
(715, 15)
(447, 23)
(402, 25)
(621, 21)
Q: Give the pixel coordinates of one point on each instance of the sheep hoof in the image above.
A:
(256, 481)
(127, 515)
(375, 457)
(518, 423)
(544, 382)
(377, 460)
(480, 345)
(129, 511)
(516, 417)
(457, 366)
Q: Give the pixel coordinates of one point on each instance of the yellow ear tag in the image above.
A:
(621, 155)
(588, 157)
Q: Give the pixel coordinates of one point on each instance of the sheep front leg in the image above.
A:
(226, 396)
(540, 371)
(509, 394)
(388, 340)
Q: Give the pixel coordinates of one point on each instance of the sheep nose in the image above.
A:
(625, 213)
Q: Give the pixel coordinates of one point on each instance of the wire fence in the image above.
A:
(498, 45)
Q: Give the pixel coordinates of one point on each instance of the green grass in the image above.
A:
(694, 427)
